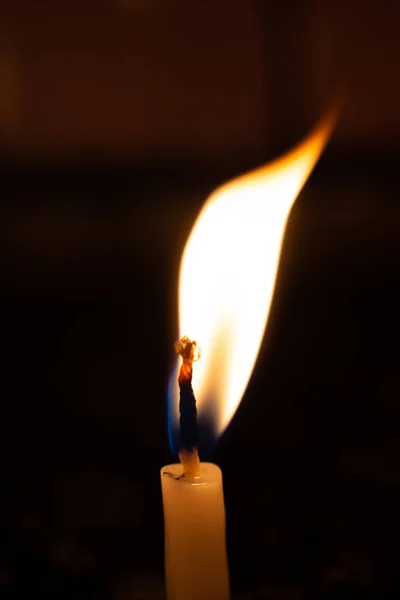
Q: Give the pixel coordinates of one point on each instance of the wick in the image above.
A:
(188, 454)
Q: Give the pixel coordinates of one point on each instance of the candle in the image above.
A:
(194, 515)
(227, 278)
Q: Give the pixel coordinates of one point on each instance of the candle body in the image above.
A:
(194, 526)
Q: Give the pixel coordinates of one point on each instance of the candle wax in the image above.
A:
(194, 527)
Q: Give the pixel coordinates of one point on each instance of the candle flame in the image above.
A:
(227, 278)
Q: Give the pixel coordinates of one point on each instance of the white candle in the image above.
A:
(194, 524)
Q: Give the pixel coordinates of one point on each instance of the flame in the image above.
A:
(228, 273)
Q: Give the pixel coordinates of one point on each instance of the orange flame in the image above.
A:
(228, 273)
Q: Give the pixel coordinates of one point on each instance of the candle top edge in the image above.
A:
(209, 474)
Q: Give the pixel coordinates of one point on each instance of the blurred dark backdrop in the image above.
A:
(117, 118)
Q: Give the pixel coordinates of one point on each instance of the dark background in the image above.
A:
(117, 118)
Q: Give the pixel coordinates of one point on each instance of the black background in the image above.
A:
(90, 251)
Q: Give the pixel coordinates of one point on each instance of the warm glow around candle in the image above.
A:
(228, 274)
